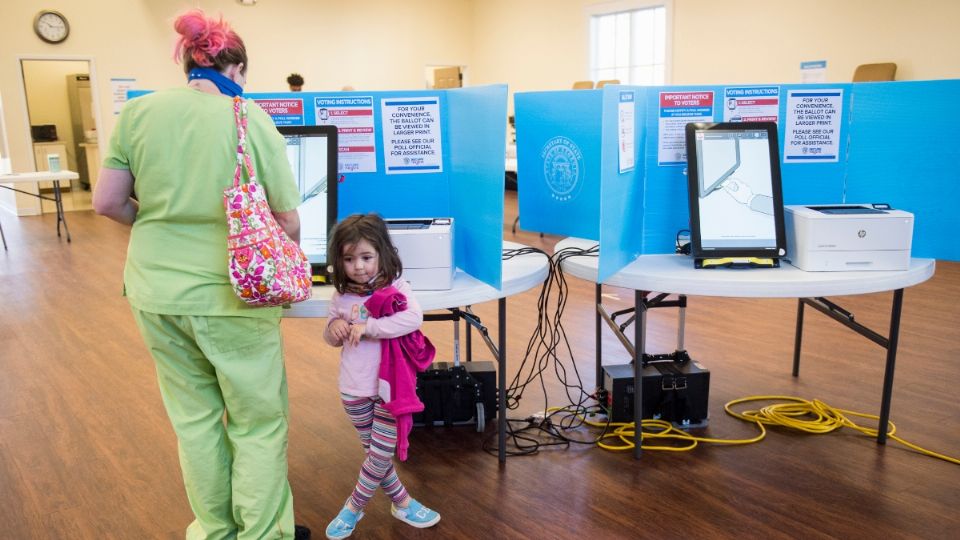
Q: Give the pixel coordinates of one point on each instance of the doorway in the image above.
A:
(62, 119)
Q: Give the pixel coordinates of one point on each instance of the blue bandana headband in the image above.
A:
(226, 86)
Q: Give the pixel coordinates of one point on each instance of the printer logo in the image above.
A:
(562, 168)
(861, 233)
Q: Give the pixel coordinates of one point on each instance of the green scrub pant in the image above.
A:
(234, 471)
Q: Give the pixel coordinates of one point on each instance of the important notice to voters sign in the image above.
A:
(285, 112)
(813, 126)
(411, 135)
(677, 109)
(356, 140)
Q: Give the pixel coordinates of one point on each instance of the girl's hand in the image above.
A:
(339, 330)
(356, 332)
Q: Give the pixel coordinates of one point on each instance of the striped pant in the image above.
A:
(378, 434)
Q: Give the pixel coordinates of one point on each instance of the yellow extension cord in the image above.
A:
(797, 413)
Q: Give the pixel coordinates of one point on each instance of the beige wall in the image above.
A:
(369, 44)
(543, 44)
(921, 36)
(527, 44)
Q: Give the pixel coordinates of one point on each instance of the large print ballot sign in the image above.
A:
(813, 126)
(411, 135)
(677, 109)
(285, 112)
(356, 140)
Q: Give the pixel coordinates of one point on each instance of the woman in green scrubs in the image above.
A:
(219, 362)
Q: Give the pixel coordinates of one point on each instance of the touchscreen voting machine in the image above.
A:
(736, 203)
(312, 153)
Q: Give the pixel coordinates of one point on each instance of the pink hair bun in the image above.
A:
(204, 38)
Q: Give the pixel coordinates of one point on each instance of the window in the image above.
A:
(628, 42)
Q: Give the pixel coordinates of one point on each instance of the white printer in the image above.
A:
(841, 237)
(425, 246)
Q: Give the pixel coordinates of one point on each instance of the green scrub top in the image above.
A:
(180, 147)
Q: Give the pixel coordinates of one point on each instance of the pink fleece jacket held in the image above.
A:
(400, 360)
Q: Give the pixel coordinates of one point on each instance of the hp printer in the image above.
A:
(848, 237)
(425, 246)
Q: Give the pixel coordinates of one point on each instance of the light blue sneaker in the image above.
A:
(342, 526)
(415, 514)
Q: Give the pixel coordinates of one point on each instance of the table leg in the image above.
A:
(681, 322)
(638, 323)
(469, 341)
(58, 201)
(502, 382)
(798, 338)
(599, 351)
(889, 343)
(892, 343)
(3, 237)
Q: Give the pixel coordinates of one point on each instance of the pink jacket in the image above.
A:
(400, 360)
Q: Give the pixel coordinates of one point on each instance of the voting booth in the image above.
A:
(415, 153)
(610, 164)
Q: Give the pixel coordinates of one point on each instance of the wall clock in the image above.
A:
(51, 26)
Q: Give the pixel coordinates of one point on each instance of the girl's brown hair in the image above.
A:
(352, 229)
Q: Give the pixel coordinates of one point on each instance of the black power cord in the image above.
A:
(548, 346)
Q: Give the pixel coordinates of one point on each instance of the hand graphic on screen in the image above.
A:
(742, 193)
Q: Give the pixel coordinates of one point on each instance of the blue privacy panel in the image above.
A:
(902, 152)
(477, 140)
(558, 161)
(364, 184)
(813, 182)
(467, 184)
(665, 199)
(621, 193)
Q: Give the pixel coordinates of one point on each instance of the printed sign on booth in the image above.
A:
(285, 112)
(813, 126)
(751, 104)
(677, 109)
(625, 132)
(356, 140)
(411, 135)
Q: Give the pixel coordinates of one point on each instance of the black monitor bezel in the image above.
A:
(693, 192)
(330, 132)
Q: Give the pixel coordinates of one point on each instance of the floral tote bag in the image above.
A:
(266, 267)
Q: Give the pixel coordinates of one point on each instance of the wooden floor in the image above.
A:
(86, 451)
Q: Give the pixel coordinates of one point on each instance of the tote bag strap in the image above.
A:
(243, 156)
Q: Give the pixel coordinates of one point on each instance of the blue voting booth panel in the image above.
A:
(477, 141)
(558, 161)
(622, 186)
(666, 208)
(365, 186)
(903, 152)
(464, 182)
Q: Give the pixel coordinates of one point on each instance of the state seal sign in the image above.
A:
(562, 168)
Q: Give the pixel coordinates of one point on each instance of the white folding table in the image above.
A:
(675, 274)
(33, 178)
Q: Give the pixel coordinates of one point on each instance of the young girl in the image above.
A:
(364, 263)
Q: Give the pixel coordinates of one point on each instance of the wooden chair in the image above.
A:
(583, 85)
(601, 84)
(875, 72)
